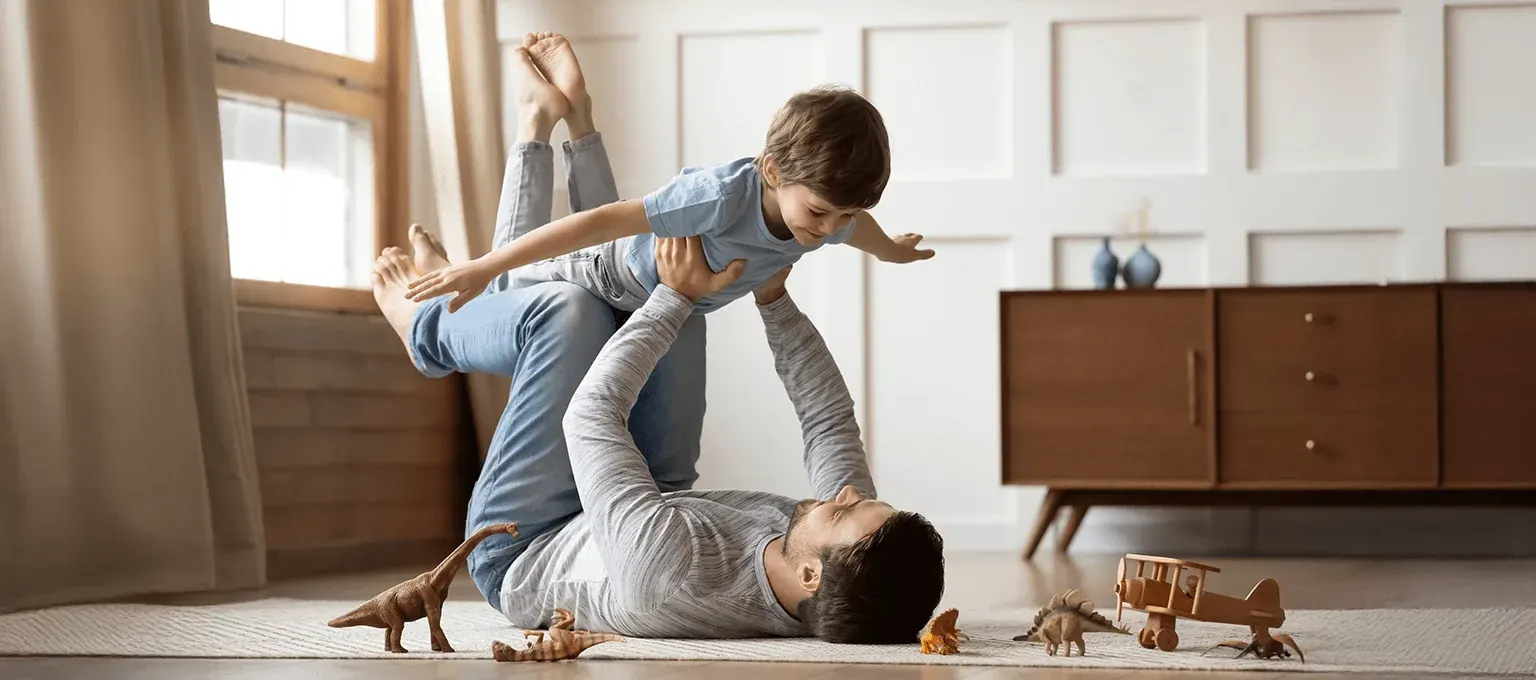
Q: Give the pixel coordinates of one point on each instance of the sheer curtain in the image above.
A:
(126, 461)
(459, 61)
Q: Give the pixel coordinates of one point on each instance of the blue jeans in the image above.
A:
(544, 336)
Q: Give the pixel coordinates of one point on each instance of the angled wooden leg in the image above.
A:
(1048, 507)
(1074, 520)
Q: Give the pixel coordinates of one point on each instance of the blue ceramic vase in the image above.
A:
(1105, 266)
(1141, 269)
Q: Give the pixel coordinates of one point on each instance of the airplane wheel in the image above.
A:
(1145, 638)
(1167, 640)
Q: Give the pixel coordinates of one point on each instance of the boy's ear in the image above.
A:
(770, 171)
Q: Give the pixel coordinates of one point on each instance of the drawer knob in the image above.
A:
(1311, 445)
(1311, 376)
(1308, 317)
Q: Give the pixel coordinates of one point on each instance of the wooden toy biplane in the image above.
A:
(1164, 601)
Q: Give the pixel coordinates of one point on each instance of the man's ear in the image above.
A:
(809, 576)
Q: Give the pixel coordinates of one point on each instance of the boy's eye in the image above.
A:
(816, 212)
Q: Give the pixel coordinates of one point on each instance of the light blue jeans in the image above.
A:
(544, 335)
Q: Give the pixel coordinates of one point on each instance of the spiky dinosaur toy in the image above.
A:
(941, 636)
(418, 597)
(562, 642)
(1063, 621)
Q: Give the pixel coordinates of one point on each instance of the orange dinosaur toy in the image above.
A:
(941, 636)
(562, 642)
(418, 597)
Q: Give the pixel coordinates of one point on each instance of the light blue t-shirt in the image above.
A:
(722, 204)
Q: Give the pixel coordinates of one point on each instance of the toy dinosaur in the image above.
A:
(418, 597)
(563, 642)
(1265, 645)
(1063, 620)
(941, 636)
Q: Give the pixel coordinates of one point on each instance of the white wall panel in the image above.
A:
(1280, 142)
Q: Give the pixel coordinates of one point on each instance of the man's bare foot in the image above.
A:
(539, 104)
(427, 251)
(553, 54)
(392, 276)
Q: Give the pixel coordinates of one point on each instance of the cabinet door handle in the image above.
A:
(1194, 398)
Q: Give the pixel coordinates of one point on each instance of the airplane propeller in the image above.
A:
(1119, 588)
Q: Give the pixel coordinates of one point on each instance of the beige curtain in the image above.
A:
(459, 61)
(126, 463)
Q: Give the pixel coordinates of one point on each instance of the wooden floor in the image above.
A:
(976, 581)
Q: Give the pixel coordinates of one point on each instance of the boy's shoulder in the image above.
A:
(702, 199)
(732, 177)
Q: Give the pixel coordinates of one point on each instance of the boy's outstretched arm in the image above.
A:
(834, 449)
(870, 238)
(565, 235)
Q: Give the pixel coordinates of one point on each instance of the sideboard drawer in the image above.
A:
(1327, 350)
(1489, 369)
(1296, 450)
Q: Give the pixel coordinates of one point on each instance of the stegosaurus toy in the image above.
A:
(562, 642)
(1063, 621)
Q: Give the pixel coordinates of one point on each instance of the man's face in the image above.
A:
(845, 519)
(808, 217)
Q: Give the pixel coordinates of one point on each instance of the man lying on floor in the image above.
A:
(691, 563)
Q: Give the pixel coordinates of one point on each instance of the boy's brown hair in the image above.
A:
(832, 141)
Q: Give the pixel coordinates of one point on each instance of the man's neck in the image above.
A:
(781, 578)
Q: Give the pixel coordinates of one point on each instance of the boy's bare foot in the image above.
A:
(539, 104)
(427, 251)
(392, 276)
(553, 54)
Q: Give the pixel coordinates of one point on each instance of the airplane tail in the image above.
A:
(1267, 592)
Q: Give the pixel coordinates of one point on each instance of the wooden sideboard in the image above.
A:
(1399, 394)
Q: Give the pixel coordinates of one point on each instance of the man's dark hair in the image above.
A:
(881, 589)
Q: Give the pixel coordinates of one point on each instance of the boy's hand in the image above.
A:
(467, 279)
(681, 266)
(773, 288)
(906, 249)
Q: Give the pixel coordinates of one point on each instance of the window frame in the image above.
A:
(376, 91)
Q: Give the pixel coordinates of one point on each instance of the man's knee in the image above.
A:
(565, 310)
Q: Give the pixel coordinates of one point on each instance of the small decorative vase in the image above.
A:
(1105, 266)
(1141, 269)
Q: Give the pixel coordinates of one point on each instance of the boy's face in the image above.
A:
(809, 217)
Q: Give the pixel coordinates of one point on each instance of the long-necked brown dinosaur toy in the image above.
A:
(562, 642)
(418, 597)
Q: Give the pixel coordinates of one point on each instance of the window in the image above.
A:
(313, 118)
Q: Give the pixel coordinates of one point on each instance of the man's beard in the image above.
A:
(802, 509)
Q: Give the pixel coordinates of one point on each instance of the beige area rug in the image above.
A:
(1461, 641)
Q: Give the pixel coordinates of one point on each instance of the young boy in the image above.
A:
(826, 161)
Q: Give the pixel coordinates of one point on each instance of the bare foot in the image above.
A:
(427, 252)
(392, 276)
(539, 104)
(553, 54)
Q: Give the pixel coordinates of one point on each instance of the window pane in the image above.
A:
(343, 27)
(299, 193)
(262, 17)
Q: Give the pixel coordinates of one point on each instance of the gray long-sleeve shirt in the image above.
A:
(686, 564)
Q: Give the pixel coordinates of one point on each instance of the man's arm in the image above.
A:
(834, 451)
(645, 543)
(869, 237)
